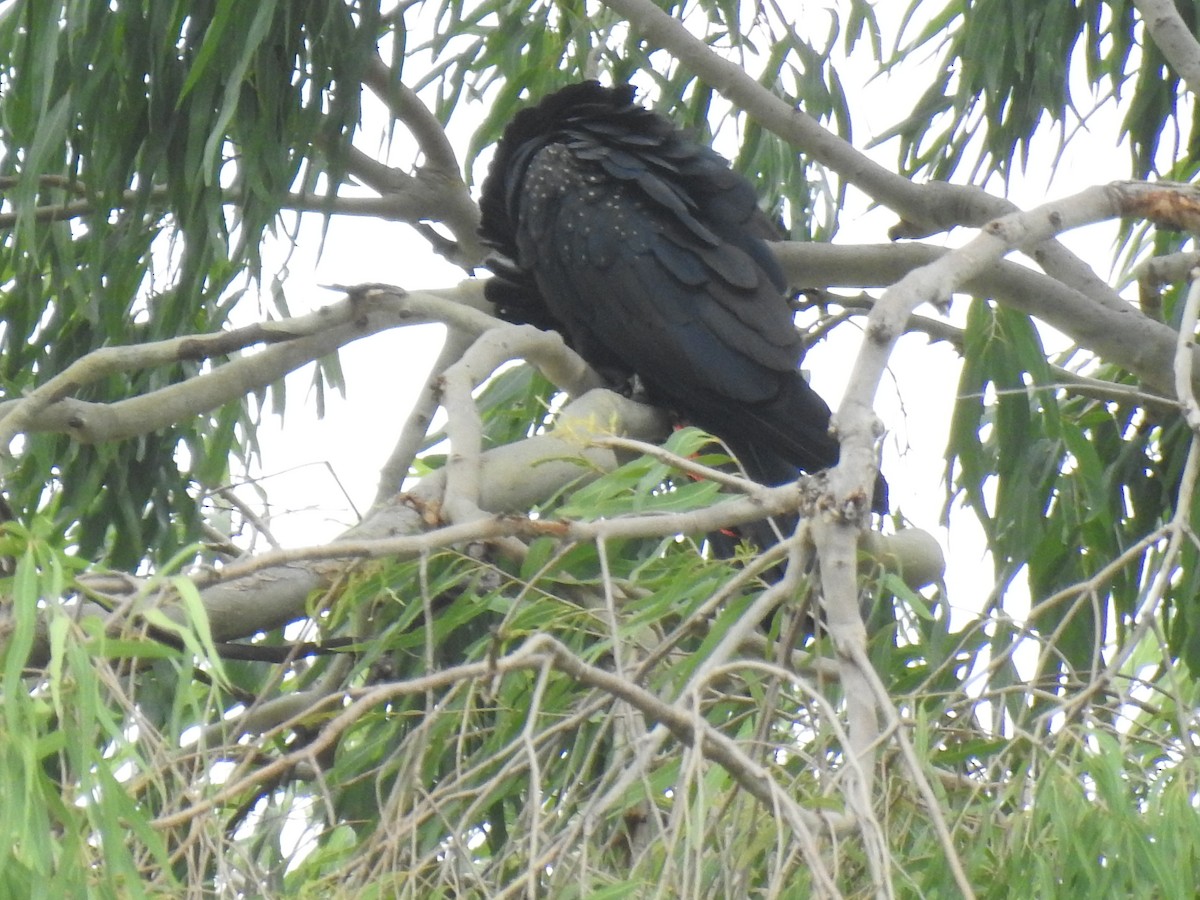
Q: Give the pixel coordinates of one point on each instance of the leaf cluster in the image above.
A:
(1068, 488)
(1005, 71)
(147, 148)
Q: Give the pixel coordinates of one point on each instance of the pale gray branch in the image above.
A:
(464, 427)
(925, 208)
(836, 531)
(367, 311)
(1120, 335)
(1174, 38)
(267, 595)
(407, 107)
(420, 417)
(437, 192)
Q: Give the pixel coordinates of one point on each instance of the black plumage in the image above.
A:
(649, 255)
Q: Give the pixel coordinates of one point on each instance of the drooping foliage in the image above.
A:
(560, 691)
(145, 151)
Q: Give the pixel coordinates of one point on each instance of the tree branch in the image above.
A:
(294, 342)
(925, 209)
(264, 596)
(416, 424)
(1174, 38)
(537, 652)
(544, 349)
(1120, 335)
(836, 530)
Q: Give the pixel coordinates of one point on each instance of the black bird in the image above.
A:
(648, 253)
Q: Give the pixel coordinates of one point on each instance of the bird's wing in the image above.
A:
(633, 270)
(647, 252)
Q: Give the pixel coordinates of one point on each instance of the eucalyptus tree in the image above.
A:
(523, 670)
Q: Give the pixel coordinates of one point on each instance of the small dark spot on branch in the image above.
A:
(189, 349)
(880, 333)
(361, 293)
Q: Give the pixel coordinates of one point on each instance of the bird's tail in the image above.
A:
(791, 437)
